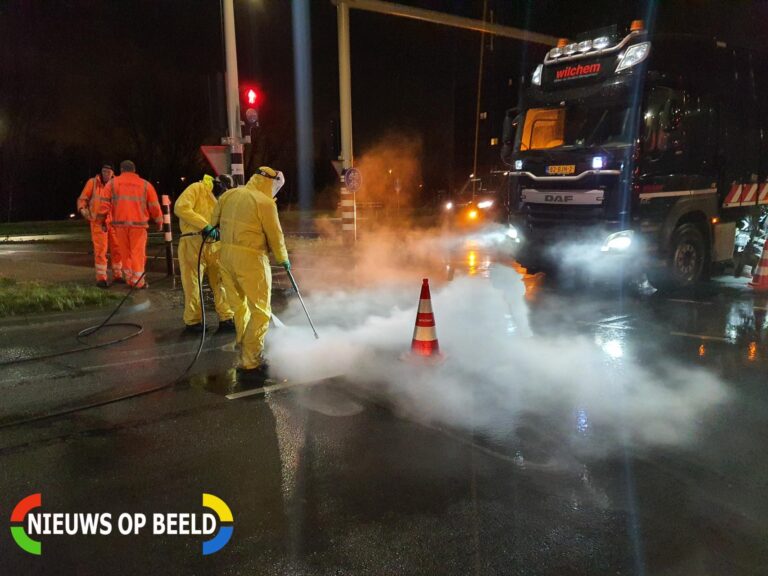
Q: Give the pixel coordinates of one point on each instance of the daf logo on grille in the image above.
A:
(580, 197)
(558, 198)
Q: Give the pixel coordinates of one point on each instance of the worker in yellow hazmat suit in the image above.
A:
(194, 209)
(249, 229)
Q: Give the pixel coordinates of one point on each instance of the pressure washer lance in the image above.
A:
(296, 287)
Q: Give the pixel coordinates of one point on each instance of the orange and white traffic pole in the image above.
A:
(168, 236)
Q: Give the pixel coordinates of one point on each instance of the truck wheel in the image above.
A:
(687, 259)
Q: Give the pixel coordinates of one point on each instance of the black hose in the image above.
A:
(202, 310)
(92, 330)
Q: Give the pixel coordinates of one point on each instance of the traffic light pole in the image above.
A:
(235, 138)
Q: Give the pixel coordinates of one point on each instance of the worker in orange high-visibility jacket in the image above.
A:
(194, 209)
(130, 202)
(249, 230)
(102, 233)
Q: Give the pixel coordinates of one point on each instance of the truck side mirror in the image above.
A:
(511, 122)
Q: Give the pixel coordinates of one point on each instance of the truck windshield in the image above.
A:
(577, 126)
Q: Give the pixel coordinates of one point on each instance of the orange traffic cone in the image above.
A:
(424, 344)
(760, 278)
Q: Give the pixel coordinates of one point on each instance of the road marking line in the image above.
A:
(611, 326)
(150, 358)
(702, 337)
(91, 368)
(271, 388)
(614, 318)
(682, 301)
(39, 252)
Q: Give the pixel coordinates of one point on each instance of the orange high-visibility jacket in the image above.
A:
(91, 196)
(132, 201)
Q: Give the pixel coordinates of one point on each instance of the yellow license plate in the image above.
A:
(564, 169)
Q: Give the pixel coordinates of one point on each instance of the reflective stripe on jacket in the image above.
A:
(91, 196)
(131, 201)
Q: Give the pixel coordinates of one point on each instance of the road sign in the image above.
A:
(218, 158)
(353, 179)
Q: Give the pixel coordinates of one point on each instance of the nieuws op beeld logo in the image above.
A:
(29, 525)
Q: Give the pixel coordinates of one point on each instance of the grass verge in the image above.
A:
(18, 298)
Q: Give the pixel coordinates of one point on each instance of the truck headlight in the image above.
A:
(449, 205)
(485, 204)
(601, 42)
(598, 162)
(518, 164)
(512, 233)
(618, 241)
(634, 55)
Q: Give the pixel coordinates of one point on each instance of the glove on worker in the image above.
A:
(286, 265)
(211, 232)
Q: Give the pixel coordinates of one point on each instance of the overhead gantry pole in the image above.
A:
(345, 74)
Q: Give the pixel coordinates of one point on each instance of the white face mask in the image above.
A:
(277, 183)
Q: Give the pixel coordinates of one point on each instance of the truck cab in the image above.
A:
(622, 148)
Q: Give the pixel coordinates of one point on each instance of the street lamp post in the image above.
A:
(235, 139)
(345, 75)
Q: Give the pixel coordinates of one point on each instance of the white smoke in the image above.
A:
(496, 370)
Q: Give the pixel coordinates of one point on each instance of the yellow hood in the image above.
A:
(263, 185)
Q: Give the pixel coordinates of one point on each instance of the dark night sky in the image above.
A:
(86, 80)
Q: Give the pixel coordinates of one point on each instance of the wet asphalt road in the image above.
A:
(326, 479)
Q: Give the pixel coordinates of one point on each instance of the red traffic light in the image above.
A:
(251, 96)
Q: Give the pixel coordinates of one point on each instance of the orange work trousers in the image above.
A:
(103, 241)
(133, 248)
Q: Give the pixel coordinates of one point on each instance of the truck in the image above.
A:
(638, 151)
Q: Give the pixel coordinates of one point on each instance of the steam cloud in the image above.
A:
(496, 372)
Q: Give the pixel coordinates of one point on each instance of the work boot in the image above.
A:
(102, 284)
(226, 326)
(254, 376)
(196, 328)
(118, 280)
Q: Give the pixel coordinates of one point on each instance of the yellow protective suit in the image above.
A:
(194, 209)
(250, 228)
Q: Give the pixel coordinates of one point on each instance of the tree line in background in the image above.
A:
(69, 102)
